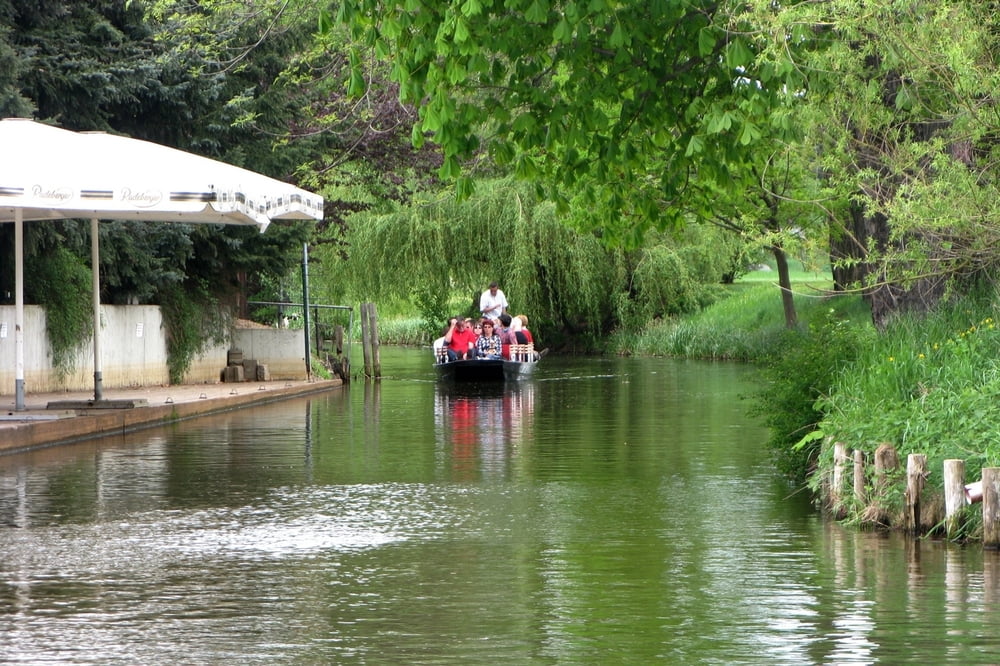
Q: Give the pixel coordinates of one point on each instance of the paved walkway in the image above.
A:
(54, 418)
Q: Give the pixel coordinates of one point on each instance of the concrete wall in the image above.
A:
(282, 350)
(134, 352)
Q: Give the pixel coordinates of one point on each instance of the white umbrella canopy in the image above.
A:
(49, 173)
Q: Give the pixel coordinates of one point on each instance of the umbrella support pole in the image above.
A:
(19, 310)
(95, 272)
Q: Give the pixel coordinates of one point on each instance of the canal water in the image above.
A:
(607, 511)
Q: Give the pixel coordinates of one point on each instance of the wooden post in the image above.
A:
(954, 496)
(916, 472)
(839, 477)
(991, 507)
(366, 340)
(338, 339)
(859, 477)
(373, 337)
(886, 461)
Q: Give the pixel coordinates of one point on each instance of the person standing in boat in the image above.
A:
(460, 339)
(493, 303)
(488, 344)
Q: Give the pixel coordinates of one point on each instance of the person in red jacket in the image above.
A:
(460, 340)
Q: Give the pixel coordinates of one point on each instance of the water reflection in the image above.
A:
(892, 597)
(482, 426)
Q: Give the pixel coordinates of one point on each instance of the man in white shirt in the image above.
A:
(493, 303)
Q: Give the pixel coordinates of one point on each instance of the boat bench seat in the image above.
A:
(522, 353)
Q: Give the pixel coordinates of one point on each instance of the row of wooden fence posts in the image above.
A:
(919, 515)
(369, 340)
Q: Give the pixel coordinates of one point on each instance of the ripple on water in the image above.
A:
(290, 522)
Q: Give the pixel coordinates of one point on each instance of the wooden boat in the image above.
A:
(522, 363)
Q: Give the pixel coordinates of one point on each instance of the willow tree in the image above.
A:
(440, 254)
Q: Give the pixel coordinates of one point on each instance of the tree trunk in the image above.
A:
(884, 297)
(785, 283)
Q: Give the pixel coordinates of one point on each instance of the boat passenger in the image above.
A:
(529, 338)
(488, 344)
(519, 325)
(517, 328)
(461, 340)
(438, 348)
(506, 335)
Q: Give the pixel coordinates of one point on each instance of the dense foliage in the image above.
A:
(222, 79)
(64, 284)
(800, 370)
(103, 66)
(611, 107)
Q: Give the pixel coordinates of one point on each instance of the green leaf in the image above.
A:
(617, 36)
(325, 23)
(450, 169)
(749, 134)
(706, 41)
(738, 56)
(472, 8)
(432, 119)
(456, 71)
(695, 146)
(464, 187)
(524, 123)
(538, 12)
(356, 86)
(391, 28)
(719, 122)
(417, 136)
(904, 101)
(461, 31)
(563, 32)
(526, 169)
(805, 441)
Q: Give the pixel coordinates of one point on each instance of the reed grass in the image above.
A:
(399, 330)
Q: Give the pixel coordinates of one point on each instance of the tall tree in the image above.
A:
(616, 104)
(103, 66)
(905, 134)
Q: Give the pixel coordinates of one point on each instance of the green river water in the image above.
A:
(607, 511)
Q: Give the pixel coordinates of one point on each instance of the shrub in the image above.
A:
(801, 371)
